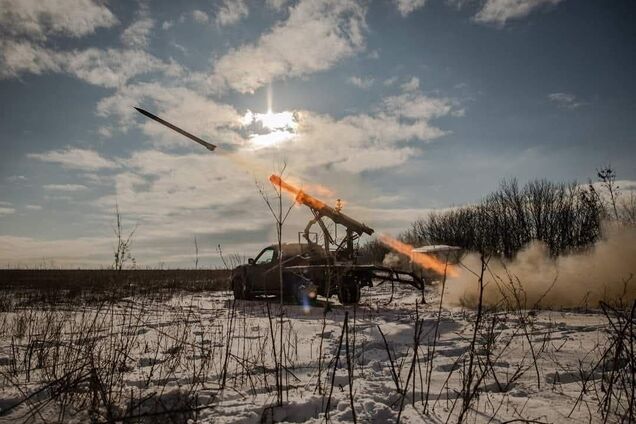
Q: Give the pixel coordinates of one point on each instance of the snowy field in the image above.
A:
(206, 358)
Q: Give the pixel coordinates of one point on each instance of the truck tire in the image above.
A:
(349, 293)
(239, 288)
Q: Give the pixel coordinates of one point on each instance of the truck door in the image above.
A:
(258, 276)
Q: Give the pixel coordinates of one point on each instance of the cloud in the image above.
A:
(183, 106)
(65, 187)
(459, 4)
(213, 193)
(167, 25)
(231, 11)
(107, 68)
(6, 211)
(414, 105)
(37, 19)
(565, 100)
(405, 7)
(16, 178)
(70, 252)
(17, 57)
(411, 85)
(33, 207)
(200, 17)
(137, 35)
(317, 34)
(498, 12)
(113, 68)
(361, 82)
(355, 143)
(74, 158)
(390, 81)
(168, 194)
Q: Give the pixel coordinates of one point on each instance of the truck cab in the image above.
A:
(261, 275)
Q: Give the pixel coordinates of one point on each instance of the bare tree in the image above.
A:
(607, 177)
(564, 216)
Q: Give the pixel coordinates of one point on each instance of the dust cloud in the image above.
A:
(392, 260)
(605, 272)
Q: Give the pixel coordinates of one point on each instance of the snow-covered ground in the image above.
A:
(207, 358)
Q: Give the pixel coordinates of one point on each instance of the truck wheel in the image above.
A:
(349, 294)
(239, 287)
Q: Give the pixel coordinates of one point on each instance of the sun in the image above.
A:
(270, 129)
(275, 121)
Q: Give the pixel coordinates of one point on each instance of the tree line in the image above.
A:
(565, 216)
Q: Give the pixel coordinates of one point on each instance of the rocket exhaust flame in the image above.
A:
(319, 207)
(296, 193)
(422, 259)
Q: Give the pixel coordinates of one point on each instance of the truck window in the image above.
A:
(266, 256)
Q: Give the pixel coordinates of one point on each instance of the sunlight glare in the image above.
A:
(279, 127)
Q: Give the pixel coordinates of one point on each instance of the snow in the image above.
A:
(176, 349)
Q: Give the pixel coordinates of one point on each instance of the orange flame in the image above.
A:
(422, 259)
(296, 193)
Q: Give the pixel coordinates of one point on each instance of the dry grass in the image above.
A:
(146, 357)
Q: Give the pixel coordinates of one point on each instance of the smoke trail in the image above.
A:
(605, 272)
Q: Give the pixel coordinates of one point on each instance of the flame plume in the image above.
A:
(422, 259)
(298, 194)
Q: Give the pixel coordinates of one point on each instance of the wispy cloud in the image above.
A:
(137, 35)
(200, 16)
(231, 12)
(108, 68)
(390, 81)
(65, 187)
(361, 82)
(317, 34)
(194, 111)
(37, 19)
(6, 211)
(411, 85)
(498, 12)
(566, 100)
(405, 7)
(74, 158)
(73, 251)
(386, 137)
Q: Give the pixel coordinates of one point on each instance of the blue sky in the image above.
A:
(397, 107)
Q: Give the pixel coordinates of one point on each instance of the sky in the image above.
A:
(396, 107)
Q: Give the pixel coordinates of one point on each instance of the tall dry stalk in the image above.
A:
(470, 384)
(122, 251)
(279, 219)
(431, 356)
